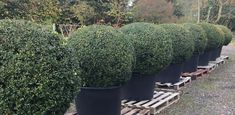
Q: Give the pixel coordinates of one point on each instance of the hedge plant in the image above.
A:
(199, 36)
(228, 35)
(214, 36)
(36, 75)
(182, 42)
(153, 47)
(105, 56)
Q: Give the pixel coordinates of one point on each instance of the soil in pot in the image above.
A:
(139, 87)
(191, 64)
(204, 58)
(171, 74)
(99, 101)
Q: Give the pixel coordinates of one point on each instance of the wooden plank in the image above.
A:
(144, 112)
(125, 110)
(157, 99)
(132, 112)
(143, 102)
(165, 100)
(170, 103)
(130, 102)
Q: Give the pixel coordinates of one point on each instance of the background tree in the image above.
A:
(156, 11)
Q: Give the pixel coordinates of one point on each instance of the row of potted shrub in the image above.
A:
(148, 53)
(40, 74)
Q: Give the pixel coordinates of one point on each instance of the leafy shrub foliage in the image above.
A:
(36, 75)
(153, 47)
(214, 35)
(105, 56)
(228, 35)
(199, 36)
(220, 31)
(182, 41)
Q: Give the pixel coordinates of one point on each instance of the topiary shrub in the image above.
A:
(220, 31)
(36, 75)
(153, 48)
(228, 35)
(105, 56)
(213, 35)
(182, 41)
(199, 36)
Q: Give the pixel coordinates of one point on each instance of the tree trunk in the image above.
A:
(220, 11)
(208, 14)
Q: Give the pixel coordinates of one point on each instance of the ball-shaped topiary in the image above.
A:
(222, 34)
(228, 35)
(36, 75)
(105, 56)
(199, 36)
(213, 36)
(153, 47)
(182, 41)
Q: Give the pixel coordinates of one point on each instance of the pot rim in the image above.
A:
(101, 88)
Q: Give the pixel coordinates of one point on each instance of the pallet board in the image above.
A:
(197, 74)
(134, 111)
(218, 61)
(210, 67)
(176, 86)
(224, 57)
(160, 101)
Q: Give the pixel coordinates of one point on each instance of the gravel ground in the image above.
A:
(213, 95)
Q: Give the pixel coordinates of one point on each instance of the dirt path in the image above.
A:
(214, 95)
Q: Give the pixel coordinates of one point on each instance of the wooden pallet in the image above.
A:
(176, 86)
(197, 74)
(209, 68)
(134, 111)
(160, 101)
(224, 57)
(218, 61)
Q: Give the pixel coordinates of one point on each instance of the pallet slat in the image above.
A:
(176, 86)
(157, 99)
(135, 111)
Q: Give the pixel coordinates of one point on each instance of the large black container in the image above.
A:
(191, 64)
(139, 88)
(214, 54)
(99, 101)
(219, 51)
(171, 74)
(204, 58)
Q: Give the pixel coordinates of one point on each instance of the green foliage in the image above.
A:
(182, 41)
(154, 11)
(75, 12)
(36, 71)
(105, 56)
(153, 47)
(222, 34)
(213, 36)
(199, 36)
(42, 11)
(228, 35)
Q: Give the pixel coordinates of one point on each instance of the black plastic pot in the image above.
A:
(171, 74)
(99, 101)
(139, 88)
(191, 64)
(214, 54)
(219, 51)
(204, 58)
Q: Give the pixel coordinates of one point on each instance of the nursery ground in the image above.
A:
(213, 95)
